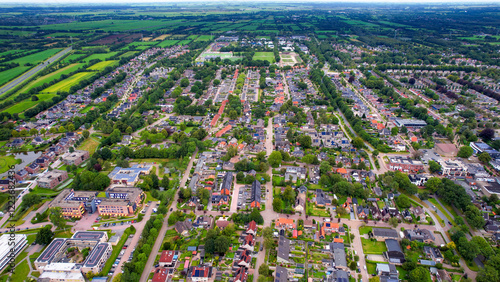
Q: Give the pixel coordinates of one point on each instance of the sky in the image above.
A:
(244, 1)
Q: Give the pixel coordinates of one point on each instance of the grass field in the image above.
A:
(72, 57)
(26, 104)
(269, 56)
(204, 38)
(89, 145)
(101, 57)
(373, 247)
(6, 162)
(183, 42)
(192, 37)
(167, 43)
(48, 78)
(102, 65)
(128, 54)
(6, 76)
(66, 84)
(36, 58)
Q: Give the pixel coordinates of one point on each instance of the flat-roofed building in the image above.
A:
(118, 201)
(11, 247)
(76, 158)
(52, 178)
(55, 262)
(405, 164)
(129, 176)
(410, 123)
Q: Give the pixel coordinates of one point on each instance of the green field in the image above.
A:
(373, 247)
(101, 57)
(192, 37)
(48, 78)
(7, 75)
(204, 38)
(65, 85)
(102, 65)
(6, 162)
(36, 58)
(72, 57)
(112, 25)
(167, 43)
(269, 56)
(26, 104)
(183, 42)
(128, 54)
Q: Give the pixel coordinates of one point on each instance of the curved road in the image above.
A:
(33, 71)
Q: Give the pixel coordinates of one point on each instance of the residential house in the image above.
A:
(183, 227)
(283, 250)
(248, 242)
(251, 228)
(433, 254)
(381, 234)
(167, 258)
(394, 253)
(285, 223)
(421, 235)
(199, 273)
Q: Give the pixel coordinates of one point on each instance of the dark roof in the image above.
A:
(385, 232)
(284, 248)
(256, 190)
(393, 245)
(281, 274)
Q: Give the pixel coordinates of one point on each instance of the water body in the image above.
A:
(26, 158)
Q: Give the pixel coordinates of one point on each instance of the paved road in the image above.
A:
(33, 71)
(148, 268)
(138, 227)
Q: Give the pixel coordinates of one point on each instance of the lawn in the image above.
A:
(26, 104)
(314, 211)
(373, 247)
(102, 65)
(21, 272)
(365, 230)
(89, 145)
(371, 268)
(65, 85)
(269, 56)
(36, 58)
(184, 42)
(73, 57)
(7, 161)
(6, 76)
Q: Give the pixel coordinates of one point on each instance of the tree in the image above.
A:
(468, 249)
(240, 176)
(277, 204)
(484, 157)
(184, 82)
(419, 274)
(394, 222)
(61, 129)
(86, 134)
(375, 153)
(403, 201)
(434, 166)
(264, 269)
(433, 184)
(465, 152)
(275, 159)
(325, 167)
(56, 217)
(289, 195)
(358, 142)
(487, 133)
(487, 274)
(45, 235)
(394, 131)
(305, 141)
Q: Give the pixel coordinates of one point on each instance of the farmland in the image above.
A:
(102, 65)
(72, 57)
(28, 103)
(37, 57)
(167, 43)
(49, 77)
(101, 57)
(265, 56)
(7, 75)
(65, 85)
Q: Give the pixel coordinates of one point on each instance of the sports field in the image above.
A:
(102, 65)
(65, 85)
(265, 56)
